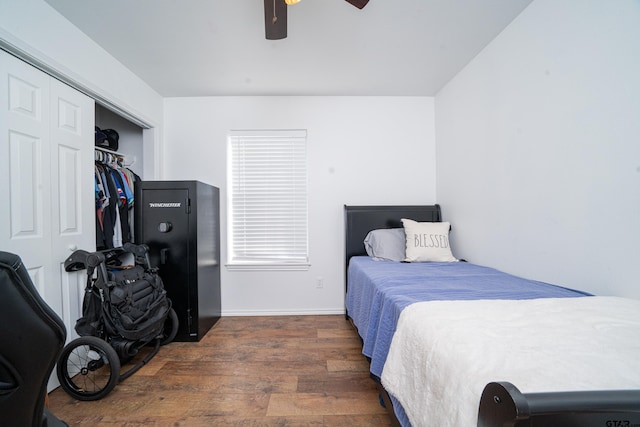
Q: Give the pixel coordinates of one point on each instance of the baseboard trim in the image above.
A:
(314, 312)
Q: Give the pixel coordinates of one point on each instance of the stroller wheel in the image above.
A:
(88, 368)
(170, 327)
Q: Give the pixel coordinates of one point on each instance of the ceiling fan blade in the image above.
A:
(358, 3)
(275, 24)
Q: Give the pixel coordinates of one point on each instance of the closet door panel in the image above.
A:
(25, 96)
(25, 167)
(25, 183)
(69, 191)
(72, 130)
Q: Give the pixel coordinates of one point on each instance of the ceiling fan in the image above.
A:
(275, 16)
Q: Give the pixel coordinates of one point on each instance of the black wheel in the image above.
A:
(170, 327)
(88, 368)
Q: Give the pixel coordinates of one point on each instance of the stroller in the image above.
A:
(125, 308)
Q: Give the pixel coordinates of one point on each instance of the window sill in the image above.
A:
(267, 267)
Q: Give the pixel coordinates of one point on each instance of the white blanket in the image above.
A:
(444, 352)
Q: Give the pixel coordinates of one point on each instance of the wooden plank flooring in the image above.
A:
(247, 371)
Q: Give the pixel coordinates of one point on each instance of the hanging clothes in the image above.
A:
(114, 201)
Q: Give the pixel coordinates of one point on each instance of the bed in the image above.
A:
(379, 293)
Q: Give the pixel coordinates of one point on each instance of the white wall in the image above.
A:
(361, 150)
(35, 27)
(538, 147)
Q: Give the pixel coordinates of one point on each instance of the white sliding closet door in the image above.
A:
(71, 137)
(46, 180)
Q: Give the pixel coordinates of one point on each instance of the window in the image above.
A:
(267, 189)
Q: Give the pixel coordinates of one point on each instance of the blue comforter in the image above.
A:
(377, 291)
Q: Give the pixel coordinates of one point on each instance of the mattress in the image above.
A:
(378, 291)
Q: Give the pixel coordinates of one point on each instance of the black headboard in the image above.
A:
(359, 220)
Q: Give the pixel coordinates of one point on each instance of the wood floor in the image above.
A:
(247, 371)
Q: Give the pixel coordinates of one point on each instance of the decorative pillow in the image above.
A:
(385, 244)
(427, 241)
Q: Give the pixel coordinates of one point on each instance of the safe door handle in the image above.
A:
(164, 255)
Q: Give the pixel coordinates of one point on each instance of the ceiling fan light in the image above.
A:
(290, 2)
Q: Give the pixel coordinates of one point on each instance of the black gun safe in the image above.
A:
(180, 222)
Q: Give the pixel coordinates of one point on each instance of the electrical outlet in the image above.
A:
(319, 283)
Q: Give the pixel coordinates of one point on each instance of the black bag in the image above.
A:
(138, 304)
(91, 321)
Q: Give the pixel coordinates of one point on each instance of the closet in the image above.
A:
(47, 165)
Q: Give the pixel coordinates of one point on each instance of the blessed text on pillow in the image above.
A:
(427, 241)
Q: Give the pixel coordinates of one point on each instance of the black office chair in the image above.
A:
(31, 339)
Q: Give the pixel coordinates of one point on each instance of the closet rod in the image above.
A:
(106, 150)
(120, 156)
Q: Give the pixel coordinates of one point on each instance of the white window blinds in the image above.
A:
(268, 198)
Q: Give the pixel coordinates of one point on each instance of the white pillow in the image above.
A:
(385, 244)
(427, 241)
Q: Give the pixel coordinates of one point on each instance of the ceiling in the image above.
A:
(218, 48)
